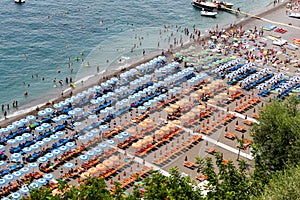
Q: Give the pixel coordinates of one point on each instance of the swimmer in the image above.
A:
(25, 93)
(58, 71)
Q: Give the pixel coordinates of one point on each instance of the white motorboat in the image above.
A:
(20, 1)
(208, 13)
(295, 15)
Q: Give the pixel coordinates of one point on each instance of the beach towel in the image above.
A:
(269, 27)
(280, 30)
(275, 35)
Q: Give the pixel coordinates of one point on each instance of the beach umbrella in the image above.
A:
(70, 144)
(33, 185)
(97, 151)
(49, 155)
(40, 143)
(95, 131)
(108, 163)
(56, 152)
(103, 145)
(17, 124)
(54, 137)
(101, 167)
(93, 171)
(49, 111)
(5, 130)
(72, 113)
(11, 141)
(90, 135)
(16, 156)
(110, 142)
(119, 137)
(169, 110)
(63, 148)
(125, 134)
(39, 129)
(30, 118)
(48, 177)
(85, 175)
(90, 153)
(15, 195)
(56, 119)
(24, 121)
(11, 127)
(42, 159)
(41, 181)
(26, 135)
(83, 158)
(25, 170)
(24, 190)
(9, 177)
(104, 127)
(46, 140)
(2, 163)
(42, 113)
(17, 174)
(69, 165)
(19, 139)
(82, 138)
(2, 182)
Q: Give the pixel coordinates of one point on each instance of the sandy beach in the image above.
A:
(194, 108)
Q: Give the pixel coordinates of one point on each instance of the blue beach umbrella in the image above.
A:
(2, 163)
(11, 141)
(82, 138)
(46, 125)
(56, 119)
(48, 177)
(58, 105)
(90, 153)
(2, 182)
(24, 121)
(83, 158)
(69, 165)
(25, 170)
(17, 124)
(33, 185)
(2, 147)
(60, 133)
(70, 144)
(24, 190)
(63, 148)
(42, 159)
(54, 137)
(16, 156)
(95, 131)
(33, 165)
(15, 195)
(41, 181)
(76, 124)
(31, 118)
(119, 137)
(17, 174)
(78, 110)
(46, 140)
(27, 149)
(42, 113)
(9, 177)
(11, 127)
(56, 152)
(110, 142)
(103, 145)
(40, 143)
(49, 111)
(97, 151)
(26, 135)
(104, 127)
(19, 139)
(34, 147)
(39, 129)
(89, 135)
(5, 130)
(49, 155)
(72, 113)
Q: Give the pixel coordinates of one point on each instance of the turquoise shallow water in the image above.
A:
(39, 38)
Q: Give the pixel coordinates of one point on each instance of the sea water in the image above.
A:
(58, 39)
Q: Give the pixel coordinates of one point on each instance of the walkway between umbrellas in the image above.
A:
(143, 162)
(215, 142)
(236, 113)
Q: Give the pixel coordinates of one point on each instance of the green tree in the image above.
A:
(284, 185)
(276, 138)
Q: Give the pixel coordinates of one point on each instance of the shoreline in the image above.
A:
(92, 80)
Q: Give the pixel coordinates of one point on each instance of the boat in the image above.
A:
(208, 13)
(294, 15)
(210, 6)
(19, 1)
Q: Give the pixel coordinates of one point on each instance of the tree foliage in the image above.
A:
(276, 137)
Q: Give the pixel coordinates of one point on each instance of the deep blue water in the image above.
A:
(39, 37)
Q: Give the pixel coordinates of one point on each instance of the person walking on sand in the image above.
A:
(144, 52)
(5, 114)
